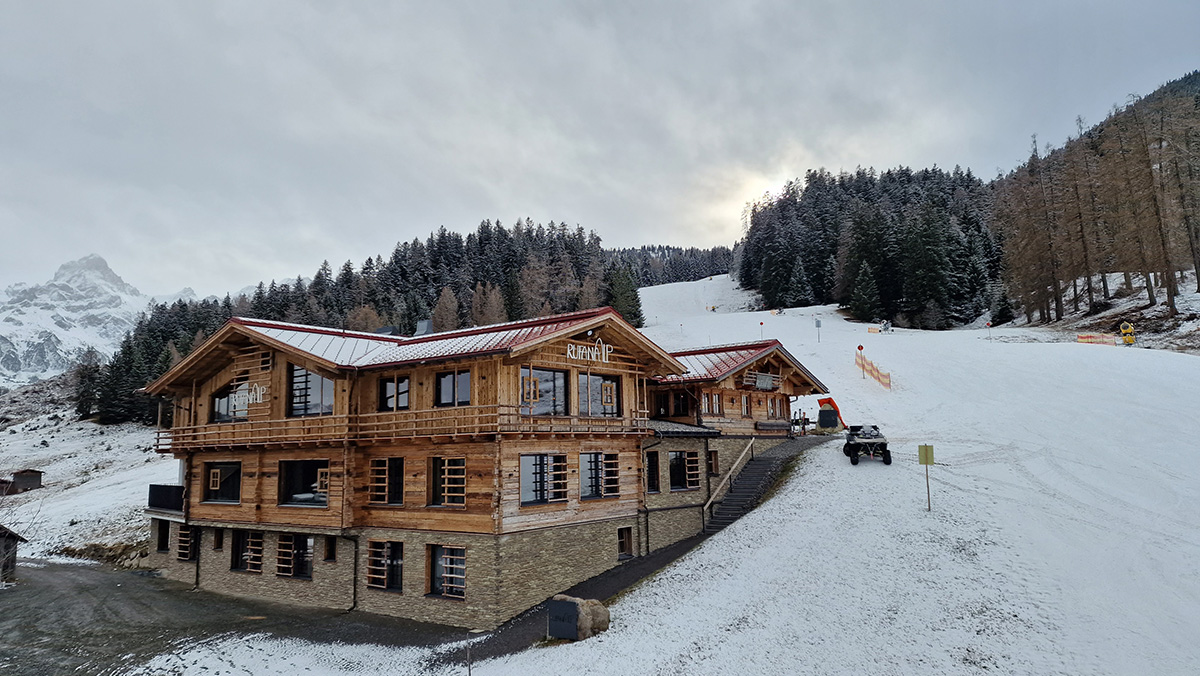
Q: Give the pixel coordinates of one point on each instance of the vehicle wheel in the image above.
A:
(854, 459)
(887, 457)
(846, 450)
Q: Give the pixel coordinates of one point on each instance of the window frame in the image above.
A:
(599, 476)
(295, 561)
(246, 551)
(545, 477)
(447, 571)
(684, 465)
(625, 543)
(394, 381)
(224, 414)
(680, 407)
(385, 565)
(302, 406)
(458, 377)
(320, 476)
(213, 496)
(385, 487)
(532, 379)
(446, 473)
(653, 474)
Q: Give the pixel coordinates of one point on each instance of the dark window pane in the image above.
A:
(652, 471)
(301, 482)
(678, 471)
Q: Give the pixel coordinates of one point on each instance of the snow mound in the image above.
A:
(668, 303)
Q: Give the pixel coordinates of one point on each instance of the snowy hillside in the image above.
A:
(1059, 540)
(44, 328)
(1062, 537)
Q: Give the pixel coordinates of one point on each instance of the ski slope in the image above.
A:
(1062, 540)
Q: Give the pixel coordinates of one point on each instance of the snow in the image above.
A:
(1062, 536)
(94, 487)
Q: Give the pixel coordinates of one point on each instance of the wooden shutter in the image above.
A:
(285, 559)
(377, 564)
(254, 547)
(454, 481)
(692, 469)
(612, 475)
(323, 480)
(378, 481)
(557, 478)
(214, 479)
(454, 571)
(183, 549)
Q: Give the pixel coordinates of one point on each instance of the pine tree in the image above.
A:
(86, 378)
(445, 313)
(623, 296)
(864, 304)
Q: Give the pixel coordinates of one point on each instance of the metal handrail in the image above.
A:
(728, 476)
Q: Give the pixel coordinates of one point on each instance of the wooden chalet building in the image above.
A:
(733, 401)
(459, 478)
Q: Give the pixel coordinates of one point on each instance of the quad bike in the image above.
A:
(866, 440)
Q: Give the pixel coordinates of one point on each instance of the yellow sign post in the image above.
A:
(925, 457)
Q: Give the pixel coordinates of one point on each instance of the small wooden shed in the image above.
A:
(27, 480)
(8, 554)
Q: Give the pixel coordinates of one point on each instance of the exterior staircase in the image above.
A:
(745, 491)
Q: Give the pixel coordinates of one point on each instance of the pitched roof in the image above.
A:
(354, 349)
(707, 364)
(6, 532)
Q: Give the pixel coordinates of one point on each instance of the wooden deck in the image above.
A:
(456, 421)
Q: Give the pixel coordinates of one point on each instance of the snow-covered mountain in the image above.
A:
(44, 328)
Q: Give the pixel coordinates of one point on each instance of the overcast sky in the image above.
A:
(212, 145)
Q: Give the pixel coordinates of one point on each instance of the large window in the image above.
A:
(599, 396)
(222, 481)
(387, 481)
(448, 481)
(304, 482)
(652, 485)
(231, 403)
(294, 556)
(311, 393)
(385, 565)
(246, 554)
(599, 475)
(393, 393)
(448, 571)
(453, 388)
(543, 392)
(543, 479)
(685, 470)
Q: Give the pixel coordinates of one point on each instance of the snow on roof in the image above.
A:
(353, 349)
(714, 363)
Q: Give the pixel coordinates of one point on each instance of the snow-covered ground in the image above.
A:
(1063, 536)
(95, 482)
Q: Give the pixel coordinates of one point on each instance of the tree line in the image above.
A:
(1121, 197)
(915, 247)
(493, 274)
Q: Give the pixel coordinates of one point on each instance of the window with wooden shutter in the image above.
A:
(612, 475)
(543, 478)
(283, 555)
(385, 564)
(448, 479)
(386, 481)
(448, 571)
(187, 542)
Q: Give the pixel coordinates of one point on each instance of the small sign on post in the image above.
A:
(925, 457)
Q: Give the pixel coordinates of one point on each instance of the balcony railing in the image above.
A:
(763, 382)
(439, 422)
(168, 498)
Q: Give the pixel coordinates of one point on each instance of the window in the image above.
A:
(304, 482)
(680, 400)
(447, 571)
(704, 405)
(218, 539)
(387, 481)
(393, 393)
(745, 406)
(714, 467)
(246, 554)
(453, 389)
(163, 541)
(223, 481)
(331, 548)
(311, 393)
(599, 475)
(543, 392)
(294, 555)
(771, 407)
(188, 543)
(652, 472)
(661, 402)
(231, 403)
(543, 479)
(624, 542)
(599, 396)
(685, 470)
(448, 481)
(385, 564)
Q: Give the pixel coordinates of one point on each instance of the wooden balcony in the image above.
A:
(762, 382)
(456, 421)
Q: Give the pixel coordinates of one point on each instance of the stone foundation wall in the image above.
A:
(330, 586)
(669, 526)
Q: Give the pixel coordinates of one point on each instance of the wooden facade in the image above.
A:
(457, 478)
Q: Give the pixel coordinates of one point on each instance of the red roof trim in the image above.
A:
(761, 344)
(320, 330)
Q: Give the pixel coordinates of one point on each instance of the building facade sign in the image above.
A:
(243, 397)
(599, 352)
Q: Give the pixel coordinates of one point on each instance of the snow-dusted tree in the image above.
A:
(445, 313)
